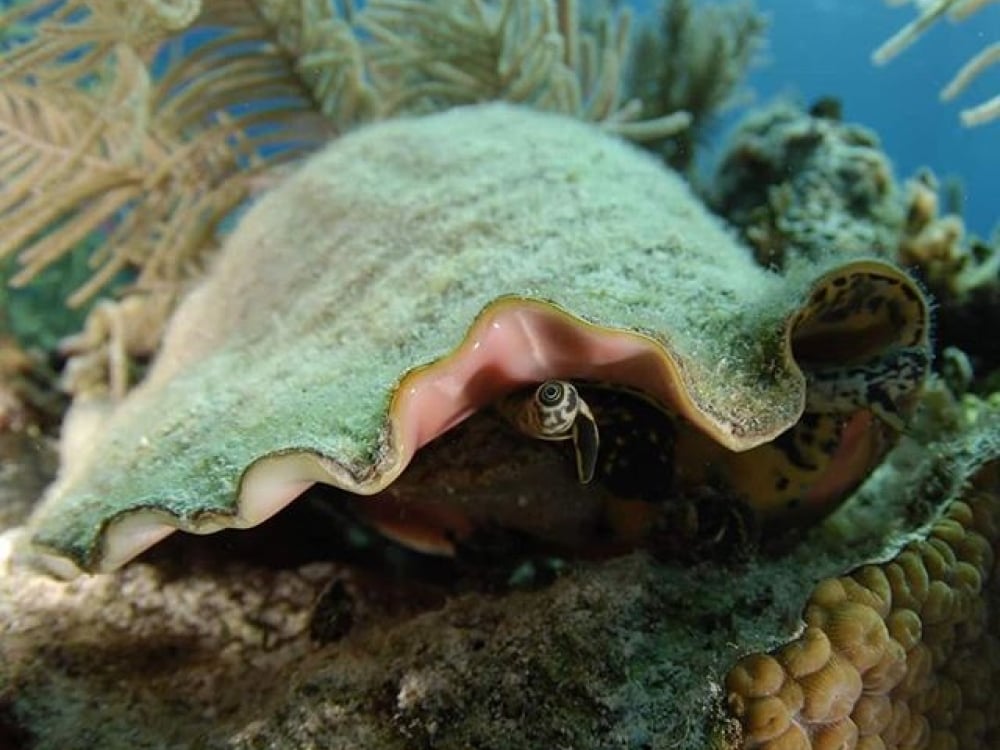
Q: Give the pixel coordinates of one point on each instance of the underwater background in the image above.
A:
(723, 600)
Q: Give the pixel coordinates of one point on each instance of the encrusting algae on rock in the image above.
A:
(796, 182)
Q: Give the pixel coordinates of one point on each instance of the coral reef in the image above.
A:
(151, 126)
(963, 274)
(952, 263)
(929, 11)
(806, 185)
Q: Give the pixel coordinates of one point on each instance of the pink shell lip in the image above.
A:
(517, 341)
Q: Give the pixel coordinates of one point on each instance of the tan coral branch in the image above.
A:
(911, 32)
(988, 110)
(956, 11)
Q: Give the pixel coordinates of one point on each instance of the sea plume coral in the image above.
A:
(548, 55)
(929, 11)
(162, 136)
(110, 123)
(693, 57)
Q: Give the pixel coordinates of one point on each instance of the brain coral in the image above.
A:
(901, 654)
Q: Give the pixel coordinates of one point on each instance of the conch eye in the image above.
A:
(557, 405)
(550, 393)
(558, 413)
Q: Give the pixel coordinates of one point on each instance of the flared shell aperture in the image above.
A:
(410, 274)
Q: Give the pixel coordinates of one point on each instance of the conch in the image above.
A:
(418, 270)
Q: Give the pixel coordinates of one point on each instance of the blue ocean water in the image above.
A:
(823, 48)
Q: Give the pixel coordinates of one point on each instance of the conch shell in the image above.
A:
(419, 269)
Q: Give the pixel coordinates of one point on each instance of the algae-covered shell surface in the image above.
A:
(413, 272)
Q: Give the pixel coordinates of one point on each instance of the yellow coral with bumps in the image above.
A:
(904, 654)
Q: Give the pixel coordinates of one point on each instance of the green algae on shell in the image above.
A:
(413, 272)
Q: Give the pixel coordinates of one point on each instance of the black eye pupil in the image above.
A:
(551, 393)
